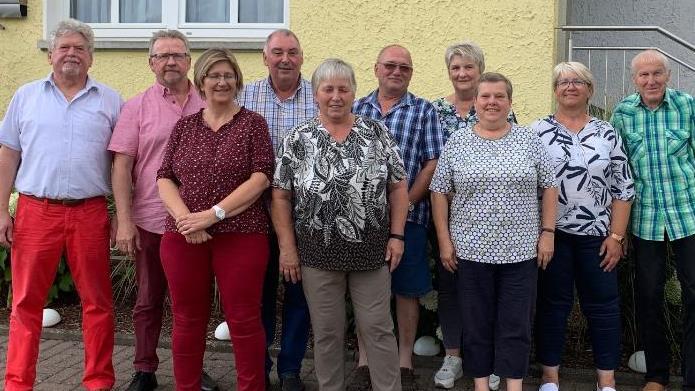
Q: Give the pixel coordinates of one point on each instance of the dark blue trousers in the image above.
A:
(576, 263)
(497, 303)
(295, 318)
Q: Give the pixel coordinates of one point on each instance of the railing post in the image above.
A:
(570, 48)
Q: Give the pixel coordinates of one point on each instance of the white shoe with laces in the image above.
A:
(604, 388)
(451, 370)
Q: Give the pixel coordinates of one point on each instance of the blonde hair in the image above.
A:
(579, 69)
(211, 57)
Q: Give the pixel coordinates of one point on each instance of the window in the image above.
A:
(125, 20)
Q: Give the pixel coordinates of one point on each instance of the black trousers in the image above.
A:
(650, 265)
(497, 303)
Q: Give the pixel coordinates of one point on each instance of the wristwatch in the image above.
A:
(618, 238)
(219, 212)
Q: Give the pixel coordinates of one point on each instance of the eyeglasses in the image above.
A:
(163, 57)
(221, 77)
(391, 66)
(564, 83)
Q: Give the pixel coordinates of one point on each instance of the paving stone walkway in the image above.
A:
(60, 368)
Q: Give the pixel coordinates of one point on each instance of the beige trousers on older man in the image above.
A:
(371, 297)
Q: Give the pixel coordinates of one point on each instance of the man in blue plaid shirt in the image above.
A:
(657, 125)
(414, 126)
(285, 100)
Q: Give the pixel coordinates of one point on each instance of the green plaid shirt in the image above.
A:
(660, 145)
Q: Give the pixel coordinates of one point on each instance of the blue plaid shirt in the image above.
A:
(414, 125)
(282, 116)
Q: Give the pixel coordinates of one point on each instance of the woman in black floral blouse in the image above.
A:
(339, 209)
(596, 190)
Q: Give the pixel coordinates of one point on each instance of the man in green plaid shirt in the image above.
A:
(657, 125)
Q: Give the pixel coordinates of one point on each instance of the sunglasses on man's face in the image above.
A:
(391, 66)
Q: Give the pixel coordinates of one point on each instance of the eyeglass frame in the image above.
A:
(164, 57)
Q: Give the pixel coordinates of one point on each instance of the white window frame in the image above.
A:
(173, 13)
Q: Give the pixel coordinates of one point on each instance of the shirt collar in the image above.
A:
(269, 86)
(406, 100)
(164, 91)
(667, 99)
(90, 84)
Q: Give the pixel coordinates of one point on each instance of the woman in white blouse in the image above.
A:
(493, 234)
(596, 190)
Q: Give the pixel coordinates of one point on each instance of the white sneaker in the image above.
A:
(548, 387)
(604, 388)
(494, 382)
(450, 371)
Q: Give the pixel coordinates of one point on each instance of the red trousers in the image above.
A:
(238, 263)
(42, 233)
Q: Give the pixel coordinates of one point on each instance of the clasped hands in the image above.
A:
(193, 225)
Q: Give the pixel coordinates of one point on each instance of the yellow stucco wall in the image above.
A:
(517, 36)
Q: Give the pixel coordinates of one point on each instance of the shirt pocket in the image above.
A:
(635, 145)
(677, 142)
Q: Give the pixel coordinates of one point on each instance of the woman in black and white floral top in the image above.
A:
(595, 194)
(339, 208)
(492, 233)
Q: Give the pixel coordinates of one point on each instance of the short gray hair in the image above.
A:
(174, 34)
(285, 32)
(579, 69)
(465, 49)
(649, 55)
(72, 26)
(333, 68)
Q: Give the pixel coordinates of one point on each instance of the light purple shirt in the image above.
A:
(142, 132)
(62, 144)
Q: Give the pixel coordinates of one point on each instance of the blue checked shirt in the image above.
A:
(414, 125)
(281, 116)
(660, 145)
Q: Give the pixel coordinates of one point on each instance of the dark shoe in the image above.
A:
(409, 380)
(142, 381)
(207, 384)
(360, 380)
(291, 382)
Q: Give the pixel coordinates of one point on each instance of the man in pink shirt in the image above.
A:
(138, 143)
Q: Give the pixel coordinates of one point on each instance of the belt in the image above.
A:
(64, 202)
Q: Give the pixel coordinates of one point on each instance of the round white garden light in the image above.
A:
(51, 317)
(426, 346)
(637, 362)
(222, 332)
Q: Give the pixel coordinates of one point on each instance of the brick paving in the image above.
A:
(60, 368)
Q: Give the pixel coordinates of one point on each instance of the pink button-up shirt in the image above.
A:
(142, 132)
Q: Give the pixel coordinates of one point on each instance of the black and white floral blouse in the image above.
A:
(592, 170)
(451, 120)
(494, 215)
(340, 192)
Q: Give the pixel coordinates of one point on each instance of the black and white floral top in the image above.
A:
(494, 212)
(592, 170)
(340, 192)
(451, 120)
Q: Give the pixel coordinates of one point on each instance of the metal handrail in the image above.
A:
(665, 53)
(658, 29)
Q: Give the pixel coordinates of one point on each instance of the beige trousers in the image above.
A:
(371, 298)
